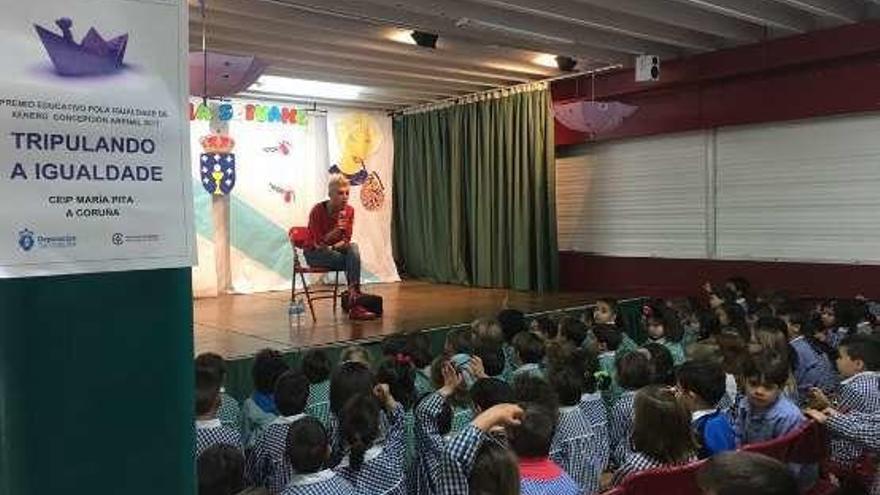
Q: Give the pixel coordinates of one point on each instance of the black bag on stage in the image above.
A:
(370, 302)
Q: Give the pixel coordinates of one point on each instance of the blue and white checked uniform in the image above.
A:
(461, 417)
(458, 460)
(620, 425)
(383, 469)
(230, 412)
(814, 369)
(863, 430)
(858, 394)
(543, 476)
(575, 448)
(267, 465)
(429, 444)
(212, 432)
(752, 426)
(318, 405)
(593, 406)
(337, 449)
(325, 482)
(638, 461)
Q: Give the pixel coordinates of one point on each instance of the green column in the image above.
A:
(96, 384)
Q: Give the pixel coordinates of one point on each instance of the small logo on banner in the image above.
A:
(26, 240)
(118, 239)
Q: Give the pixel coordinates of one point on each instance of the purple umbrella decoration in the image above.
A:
(593, 117)
(225, 75)
(94, 56)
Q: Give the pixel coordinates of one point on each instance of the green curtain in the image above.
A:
(474, 193)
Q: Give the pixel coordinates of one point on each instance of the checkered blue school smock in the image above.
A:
(230, 412)
(863, 430)
(575, 448)
(325, 482)
(638, 461)
(213, 432)
(382, 472)
(267, 464)
(857, 394)
(458, 460)
(620, 425)
(318, 405)
(429, 444)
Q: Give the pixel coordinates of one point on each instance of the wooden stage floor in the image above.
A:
(237, 326)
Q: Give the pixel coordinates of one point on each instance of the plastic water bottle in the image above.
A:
(296, 310)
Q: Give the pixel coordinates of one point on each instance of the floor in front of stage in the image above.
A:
(237, 326)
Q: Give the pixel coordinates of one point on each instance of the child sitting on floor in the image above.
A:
(370, 466)
(317, 366)
(661, 433)
(529, 349)
(576, 446)
(766, 413)
(230, 411)
(209, 430)
(605, 313)
(259, 409)
(531, 441)
(701, 385)
(664, 328)
(814, 359)
(608, 339)
(307, 452)
(266, 465)
(633, 373)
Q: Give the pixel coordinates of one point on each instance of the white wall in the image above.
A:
(798, 191)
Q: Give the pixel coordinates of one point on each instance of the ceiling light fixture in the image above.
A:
(424, 39)
(466, 22)
(401, 36)
(565, 64)
(305, 88)
(545, 60)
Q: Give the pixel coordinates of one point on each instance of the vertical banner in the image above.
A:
(93, 154)
(361, 149)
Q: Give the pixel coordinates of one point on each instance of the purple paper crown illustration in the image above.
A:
(92, 57)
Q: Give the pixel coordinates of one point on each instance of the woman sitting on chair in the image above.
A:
(330, 225)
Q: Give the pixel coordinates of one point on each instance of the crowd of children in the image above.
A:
(573, 406)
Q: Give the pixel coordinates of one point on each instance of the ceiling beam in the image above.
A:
(263, 47)
(294, 60)
(519, 24)
(844, 11)
(686, 16)
(389, 16)
(591, 16)
(760, 12)
(254, 29)
(347, 33)
(321, 101)
(390, 86)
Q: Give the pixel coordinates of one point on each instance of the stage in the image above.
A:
(237, 326)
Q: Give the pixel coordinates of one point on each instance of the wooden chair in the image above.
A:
(299, 236)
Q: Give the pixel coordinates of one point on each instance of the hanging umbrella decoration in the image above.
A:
(593, 117)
